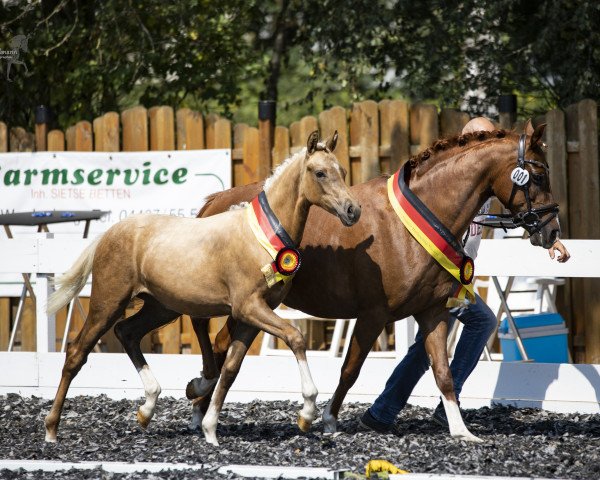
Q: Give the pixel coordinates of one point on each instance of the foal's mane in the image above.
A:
(280, 168)
(457, 141)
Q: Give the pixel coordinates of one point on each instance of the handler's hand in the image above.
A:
(563, 253)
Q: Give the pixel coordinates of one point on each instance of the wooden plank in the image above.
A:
(296, 142)
(210, 121)
(190, 130)
(330, 121)
(424, 128)
(56, 141)
(162, 128)
(308, 124)
(21, 140)
(98, 127)
(110, 139)
(355, 150)
(251, 160)
(135, 129)
(281, 146)
(452, 122)
(238, 145)
(70, 135)
(41, 141)
(368, 116)
(84, 139)
(584, 222)
(395, 141)
(556, 139)
(3, 138)
(5, 322)
(222, 133)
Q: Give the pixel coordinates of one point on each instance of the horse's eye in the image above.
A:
(538, 178)
(320, 174)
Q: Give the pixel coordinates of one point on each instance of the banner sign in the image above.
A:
(124, 183)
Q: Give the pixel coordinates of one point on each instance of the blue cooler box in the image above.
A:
(544, 336)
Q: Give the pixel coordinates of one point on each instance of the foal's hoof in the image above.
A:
(304, 424)
(50, 437)
(143, 420)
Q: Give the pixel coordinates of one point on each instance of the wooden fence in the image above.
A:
(373, 138)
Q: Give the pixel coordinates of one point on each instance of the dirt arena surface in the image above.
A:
(517, 442)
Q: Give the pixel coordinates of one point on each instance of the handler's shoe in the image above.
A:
(369, 422)
(439, 416)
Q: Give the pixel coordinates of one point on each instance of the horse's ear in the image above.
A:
(332, 141)
(536, 136)
(313, 141)
(528, 129)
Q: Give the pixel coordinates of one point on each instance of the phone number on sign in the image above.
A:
(176, 212)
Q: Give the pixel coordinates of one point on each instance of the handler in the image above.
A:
(479, 322)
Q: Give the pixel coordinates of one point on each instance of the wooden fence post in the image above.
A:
(3, 138)
(367, 116)
(424, 126)
(281, 146)
(42, 119)
(250, 153)
(395, 142)
(162, 128)
(584, 220)
(330, 121)
(452, 122)
(237, 155)
(190, 130)
(135, 129)
(56, 141)
(266, 133)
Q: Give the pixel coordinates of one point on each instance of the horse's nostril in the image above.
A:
(350, 210)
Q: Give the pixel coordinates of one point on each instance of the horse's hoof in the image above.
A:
(143, 420)
(50, 437)
(468, 437)
(190, 390)
(304, 424)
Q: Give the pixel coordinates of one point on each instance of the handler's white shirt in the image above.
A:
(472, 238)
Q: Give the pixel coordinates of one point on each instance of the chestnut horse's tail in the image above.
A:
(209, 201)
(73, 280)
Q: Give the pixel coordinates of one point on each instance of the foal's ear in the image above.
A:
(313, 141)
(536, 136)
(332, 141)
(528, 128)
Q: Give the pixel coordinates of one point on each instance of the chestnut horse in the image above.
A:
(227, 265)
(377, 272)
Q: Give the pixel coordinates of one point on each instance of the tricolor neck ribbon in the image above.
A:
(439, 242)
(275, 240)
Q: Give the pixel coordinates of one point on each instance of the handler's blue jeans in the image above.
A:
(479, 322)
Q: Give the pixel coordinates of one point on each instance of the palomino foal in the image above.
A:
(223, 265)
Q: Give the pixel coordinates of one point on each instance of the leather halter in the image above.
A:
(530, 219)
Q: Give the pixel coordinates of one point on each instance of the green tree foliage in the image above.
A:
(86, 58)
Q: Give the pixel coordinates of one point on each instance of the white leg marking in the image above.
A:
(329, 421)
(197, 416)
(309, 392)
(152, 389)
(209, 423)
(457, 426)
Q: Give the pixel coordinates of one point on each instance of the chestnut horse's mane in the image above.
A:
(457, 141)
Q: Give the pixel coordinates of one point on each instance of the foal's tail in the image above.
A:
(73, 280)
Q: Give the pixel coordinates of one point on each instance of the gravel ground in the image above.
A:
(517, 442)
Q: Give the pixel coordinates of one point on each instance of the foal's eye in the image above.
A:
(320, 174)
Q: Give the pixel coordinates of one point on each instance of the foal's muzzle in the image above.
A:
(351, 213)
